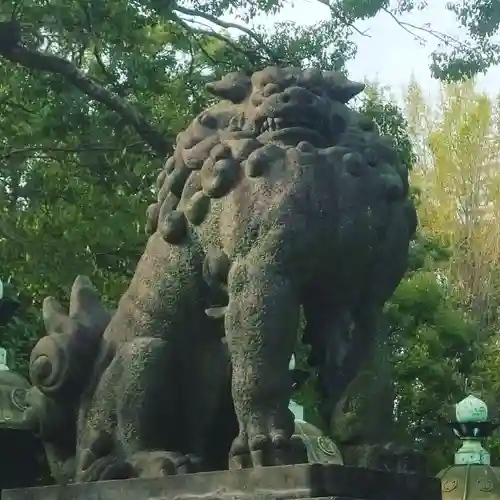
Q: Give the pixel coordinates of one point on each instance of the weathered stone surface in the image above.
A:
(292, 221)
(286, 482)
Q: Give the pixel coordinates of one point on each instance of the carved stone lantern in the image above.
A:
(471, 476)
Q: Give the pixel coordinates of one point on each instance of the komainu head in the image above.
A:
(270, 110)
(289, 105)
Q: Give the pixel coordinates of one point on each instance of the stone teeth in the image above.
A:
(272, 124)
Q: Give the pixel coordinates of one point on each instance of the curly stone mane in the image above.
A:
(280, 197)
(229, 140)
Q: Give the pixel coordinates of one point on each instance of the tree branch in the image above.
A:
(97, 55)
(190, 30)
(404, 26)
(227, 25)
(409, 27)
(16, 105)
(338, 11)
(49, 149)
(443, 37)
(6, 234)
(159, 142)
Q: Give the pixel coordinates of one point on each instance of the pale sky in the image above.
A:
(389, 54)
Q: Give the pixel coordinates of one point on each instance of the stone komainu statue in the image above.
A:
(278, 197)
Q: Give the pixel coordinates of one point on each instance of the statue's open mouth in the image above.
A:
(304, 127)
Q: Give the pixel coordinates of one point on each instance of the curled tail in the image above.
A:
(60, 368)
(62, 361)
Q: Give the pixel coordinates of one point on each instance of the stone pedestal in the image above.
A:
(269, 483)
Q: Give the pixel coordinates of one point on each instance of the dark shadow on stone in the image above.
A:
(21, 459)
(8, 308)
(366, 484)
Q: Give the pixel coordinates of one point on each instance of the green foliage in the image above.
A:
(363, 9)
(18, 335)
(481, 18)
(78, 155)
(75, 169)
(433, 350)
(456, 58)
(426, 252)
(388, 116)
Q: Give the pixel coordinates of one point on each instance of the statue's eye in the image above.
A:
(208, 121)
(270, 89)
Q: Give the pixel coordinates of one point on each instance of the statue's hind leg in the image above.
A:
(149, 438)
(261, 327)
(124, 425)
(341, 340)
(156, 397)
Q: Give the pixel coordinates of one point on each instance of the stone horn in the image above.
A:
(61, 361)
(233, 87)
(341, 88)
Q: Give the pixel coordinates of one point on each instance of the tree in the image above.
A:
(78, 42)
(426, 347)
(456, 58)
(424, 358)
(92, 96)
(433, 349)
(459, 146)
(18, 328)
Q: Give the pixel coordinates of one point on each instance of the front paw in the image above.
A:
(266, 444)
(144, 464)
(107, 469)
(153, 464)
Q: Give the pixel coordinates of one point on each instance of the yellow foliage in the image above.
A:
(457, 142)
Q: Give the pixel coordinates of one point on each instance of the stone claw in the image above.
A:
(107, 469)
(144, 464)
(153, 464)
(260, 449)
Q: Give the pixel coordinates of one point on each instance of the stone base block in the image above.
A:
(316, 481)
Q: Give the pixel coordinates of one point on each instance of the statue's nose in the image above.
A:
(295, 95)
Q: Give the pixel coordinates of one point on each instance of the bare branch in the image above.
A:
(251, 56)
(337, 11)
(442, 37)
(97, 55)
(204, 52)
(227, 25)
(404, 26)
(101, 65)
